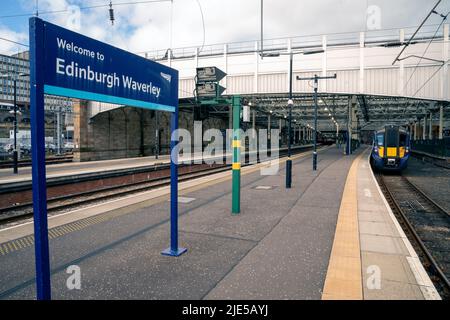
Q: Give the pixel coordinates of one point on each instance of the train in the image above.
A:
(391, 149)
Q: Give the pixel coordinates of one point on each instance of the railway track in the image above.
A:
(26, 163)
(72, 200)
(60, 203)
(426, 224)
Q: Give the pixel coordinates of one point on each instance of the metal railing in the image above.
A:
(374, 37)
(438, 147)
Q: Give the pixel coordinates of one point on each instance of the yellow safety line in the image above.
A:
(27, 241)
(17, 245)
(343, 279)
(65, 229)
(23, 243)
(11, 249)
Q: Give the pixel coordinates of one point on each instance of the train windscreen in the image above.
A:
(380, 139)
(402, 139)
(391, 137)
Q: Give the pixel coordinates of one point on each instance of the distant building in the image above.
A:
(10, 68)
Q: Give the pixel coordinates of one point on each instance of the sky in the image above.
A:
(147, 26)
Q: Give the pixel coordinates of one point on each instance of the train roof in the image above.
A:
(384, 129)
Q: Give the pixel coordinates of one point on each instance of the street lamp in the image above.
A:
(289, 161)
(15, 153)
(290, 104)
(316, 79)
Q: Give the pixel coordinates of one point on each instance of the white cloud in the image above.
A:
(142, 27)
(9, 48)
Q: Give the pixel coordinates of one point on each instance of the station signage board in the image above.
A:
(80, 67)
(209, 74)
(68, 64)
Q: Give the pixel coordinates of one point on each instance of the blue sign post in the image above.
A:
(66, 63)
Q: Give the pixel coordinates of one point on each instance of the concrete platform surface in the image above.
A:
(390, 267)
(118, 252)
(281, 246)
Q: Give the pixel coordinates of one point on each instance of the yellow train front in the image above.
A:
(391, 149)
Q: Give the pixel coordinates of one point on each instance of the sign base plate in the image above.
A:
(171, 253)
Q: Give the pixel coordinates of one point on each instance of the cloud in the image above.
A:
(9, 48)
(146, 26)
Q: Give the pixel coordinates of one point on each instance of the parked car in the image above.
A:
(50, 147)
(8, 147)
(8, 119)
(68, 146)
(25, 149)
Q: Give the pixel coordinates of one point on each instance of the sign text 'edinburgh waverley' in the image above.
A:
(80, 67)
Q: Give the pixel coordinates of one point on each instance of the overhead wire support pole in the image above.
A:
(261, 52)
(236, 165)
(316, 79)
(15, 154)
(417, 30)
(290, 103)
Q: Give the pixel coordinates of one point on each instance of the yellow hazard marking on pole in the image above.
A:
(236, 143)
(236, 166)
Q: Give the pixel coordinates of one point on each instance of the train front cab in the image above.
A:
(391, 149)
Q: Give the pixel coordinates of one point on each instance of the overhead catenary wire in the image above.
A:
(203, 25)
(425, 51)
(417, 30)
(81, 8)
(15, 42)
(429, 79)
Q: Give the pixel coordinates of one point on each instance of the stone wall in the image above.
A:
(127, 132)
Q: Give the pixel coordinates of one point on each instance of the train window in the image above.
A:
(402, 139)
(380, 139)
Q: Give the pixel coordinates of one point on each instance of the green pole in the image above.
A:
(236, 165)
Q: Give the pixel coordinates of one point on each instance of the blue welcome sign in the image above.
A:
(81, 67)
(69, 64)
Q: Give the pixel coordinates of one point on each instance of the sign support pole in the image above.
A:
(38, 159)
(236, 165)
(174, 250)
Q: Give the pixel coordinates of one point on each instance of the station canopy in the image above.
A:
(372, 111)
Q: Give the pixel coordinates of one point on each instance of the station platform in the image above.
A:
(80, 169)
(331, 236)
